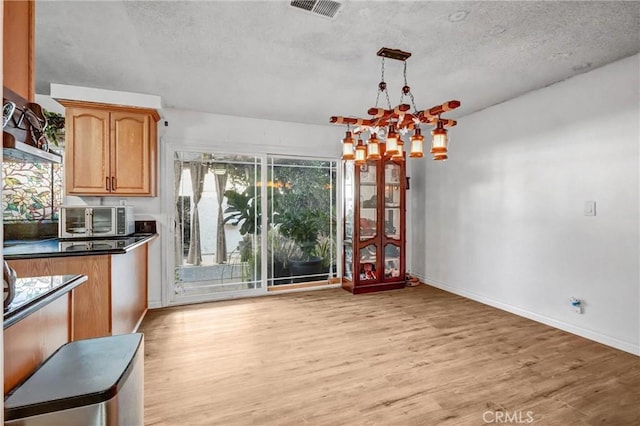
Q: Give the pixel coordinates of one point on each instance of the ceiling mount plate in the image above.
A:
(394, 54)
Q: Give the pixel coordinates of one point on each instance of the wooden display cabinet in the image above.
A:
(374, 226)
(110, 150)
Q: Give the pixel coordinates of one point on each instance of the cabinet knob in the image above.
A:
(113, 183)
(106, 183)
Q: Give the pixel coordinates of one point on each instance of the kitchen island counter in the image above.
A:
(113, 300)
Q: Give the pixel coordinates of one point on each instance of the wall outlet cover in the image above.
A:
(589, 208)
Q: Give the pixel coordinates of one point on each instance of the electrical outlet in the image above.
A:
(589, 208)
(576, 305)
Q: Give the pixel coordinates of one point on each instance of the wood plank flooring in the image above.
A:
(417, 356)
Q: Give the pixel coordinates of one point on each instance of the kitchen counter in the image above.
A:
(55, 247)
(33, 293)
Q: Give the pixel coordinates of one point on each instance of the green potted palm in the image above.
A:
(303, 227)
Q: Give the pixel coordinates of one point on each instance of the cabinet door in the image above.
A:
(18, 30)
(393, 240)
(87, 151)
(130, 153)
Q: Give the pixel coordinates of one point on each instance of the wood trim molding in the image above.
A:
(111, 107)
(284, 287)
(32, 50)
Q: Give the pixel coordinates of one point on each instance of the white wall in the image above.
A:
(502, 221)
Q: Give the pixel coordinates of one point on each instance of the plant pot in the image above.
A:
(305, 267)
(281, 274)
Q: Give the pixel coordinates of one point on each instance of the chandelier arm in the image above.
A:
(439, 109)
(433, 120)
(354, 121)
(379, 112)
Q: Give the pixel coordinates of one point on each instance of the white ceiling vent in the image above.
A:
(326, 8)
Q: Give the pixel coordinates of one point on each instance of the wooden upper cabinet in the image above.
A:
(18, 47)
(129, 141)
(110, 150)
(87, 151)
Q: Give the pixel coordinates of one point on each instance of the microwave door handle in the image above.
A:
(88, 220)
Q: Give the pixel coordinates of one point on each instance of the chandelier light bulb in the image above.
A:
(347, 147)
(361, 153)
(417, 144)
(373, 148)
(392, 141)
(439, 142)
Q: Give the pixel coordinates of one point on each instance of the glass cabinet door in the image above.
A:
(368, 201)
(349, 193)
(392, 205)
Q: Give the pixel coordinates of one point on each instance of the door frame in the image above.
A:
(168, 149)
(168, 292)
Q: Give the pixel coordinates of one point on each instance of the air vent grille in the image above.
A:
(326, 8)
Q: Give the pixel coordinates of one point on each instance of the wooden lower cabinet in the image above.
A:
(32, 340)
(113, 300)
(128, 290)
(92, 299)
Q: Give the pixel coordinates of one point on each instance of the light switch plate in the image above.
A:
(589, 208)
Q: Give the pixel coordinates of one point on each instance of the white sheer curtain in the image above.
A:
(221, 241)
(198, 171)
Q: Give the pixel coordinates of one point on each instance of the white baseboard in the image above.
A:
(582, 332)
(154, 304)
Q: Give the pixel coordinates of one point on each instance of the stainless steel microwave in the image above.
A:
(96, 221)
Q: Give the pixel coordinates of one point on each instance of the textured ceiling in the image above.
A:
(268, 60)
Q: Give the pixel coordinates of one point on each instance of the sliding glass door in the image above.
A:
(217, 226)
(228, 243)
(301, 240)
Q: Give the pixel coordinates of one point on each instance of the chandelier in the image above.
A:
(391, 124)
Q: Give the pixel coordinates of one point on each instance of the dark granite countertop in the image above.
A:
(55, 247)
(35, 292)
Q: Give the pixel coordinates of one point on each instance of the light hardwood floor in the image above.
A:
(417, 356)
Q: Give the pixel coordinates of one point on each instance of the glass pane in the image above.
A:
(102, 219)
(217, 211)
(392, 188)
(368, 201)
(392, 173)
(75, 221)
(391, 261)
(349, 194)
(31, 192)
(302, 220)
(348, 262)
(368, 263)
(392, 223)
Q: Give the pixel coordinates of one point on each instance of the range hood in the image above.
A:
(16, 151)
